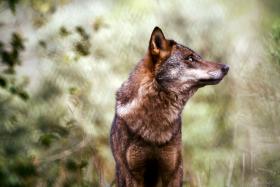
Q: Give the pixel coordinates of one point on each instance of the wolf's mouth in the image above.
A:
(210, 81)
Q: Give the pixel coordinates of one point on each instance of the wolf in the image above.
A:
(146, 133)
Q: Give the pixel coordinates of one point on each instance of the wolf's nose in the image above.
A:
(225, 68)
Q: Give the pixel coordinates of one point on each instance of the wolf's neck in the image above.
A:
(151, 112)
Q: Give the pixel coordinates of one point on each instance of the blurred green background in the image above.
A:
(62, 61)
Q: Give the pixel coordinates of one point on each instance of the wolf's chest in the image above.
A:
(145, 157)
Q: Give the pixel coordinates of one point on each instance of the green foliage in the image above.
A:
(275, 43)
(11, 57)
(83, 45)
(3, 82)
(63, 31)
(48, 138)
(12, 5)
(16, 165)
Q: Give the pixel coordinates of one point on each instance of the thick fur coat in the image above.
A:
(146, 131)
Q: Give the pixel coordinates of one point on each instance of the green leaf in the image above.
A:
(82, 32)
(73, 90)
(13, 90)
(63, 31)
(12, 5)
(48, 138)
(82, 48)
(17, 42)
(23, 95)
(3, 82)
(71, 165)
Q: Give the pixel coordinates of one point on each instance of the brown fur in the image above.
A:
(146, 131)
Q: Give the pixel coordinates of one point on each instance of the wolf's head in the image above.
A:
(177, 68)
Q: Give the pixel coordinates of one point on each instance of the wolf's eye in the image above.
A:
(190, 58)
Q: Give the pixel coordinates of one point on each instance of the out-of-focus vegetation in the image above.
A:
(62, 61)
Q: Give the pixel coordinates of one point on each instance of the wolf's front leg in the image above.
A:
(176, 180)
(125, 179)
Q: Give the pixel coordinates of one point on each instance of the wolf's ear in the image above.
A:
(158, 42)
